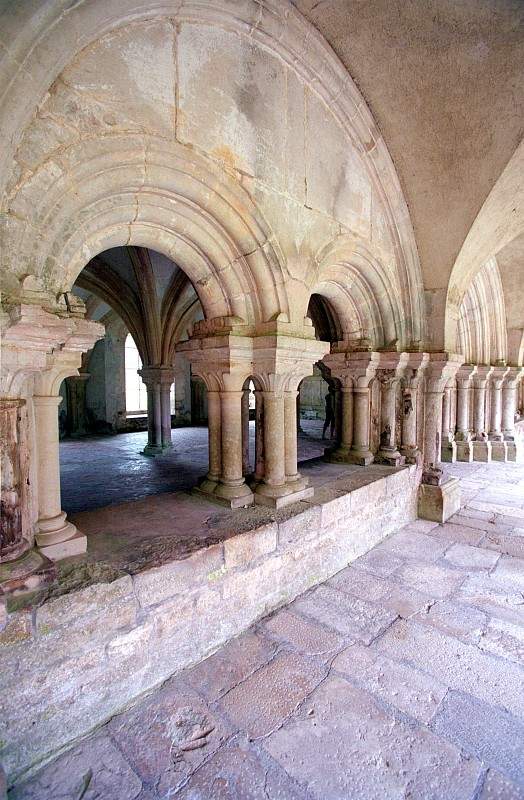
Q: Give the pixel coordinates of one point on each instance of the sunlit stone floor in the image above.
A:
(401, 677)
(98, 471)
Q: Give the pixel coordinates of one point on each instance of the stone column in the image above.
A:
(14, 534)
(393, 366)
(463, 429)
(509, 402)
(259, 436)
(448, 450)
(354, 369)
(77, 392)
(210, 482)
(499, 448)
(293, 477)
(481, 445)
(246, 469)
(410, 400)
(438, 498)
(232, 487)
(158, 380)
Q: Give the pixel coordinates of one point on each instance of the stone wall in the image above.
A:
(81, 657)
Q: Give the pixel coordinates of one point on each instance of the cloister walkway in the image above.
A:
(401, 676)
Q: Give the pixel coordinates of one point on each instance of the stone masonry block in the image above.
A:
(178, 577)
(247, 547)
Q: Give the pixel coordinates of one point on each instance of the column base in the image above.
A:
(58, 538)
(499, 451)
(337, 453)
(464, 451)
(225, 495)
(156, 450)
(481, 451)
(392, 458)
(439, 503)
(285, 495)
(412, 455)
(515, 451)
(363, 458)
(24, 581)
(448, 452)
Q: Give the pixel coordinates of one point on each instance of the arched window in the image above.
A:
(136, 392)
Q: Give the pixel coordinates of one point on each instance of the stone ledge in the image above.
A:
(94, 649)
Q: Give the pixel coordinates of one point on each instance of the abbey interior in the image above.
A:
(262, 399)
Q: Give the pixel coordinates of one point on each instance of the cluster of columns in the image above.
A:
(399, 376)
(40, 350)
(479, 414)
(275, 364)
(158, 380)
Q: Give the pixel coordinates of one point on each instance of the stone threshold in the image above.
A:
(135, 611)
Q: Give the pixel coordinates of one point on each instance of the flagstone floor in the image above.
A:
(401, 677)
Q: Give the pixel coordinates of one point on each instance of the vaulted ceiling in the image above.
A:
(444, 80)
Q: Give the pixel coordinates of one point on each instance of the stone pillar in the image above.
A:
(14, 521)
(448, 451)
(499, 448)
(76, 385)
(290, 437)
(354, 369)
(246, 469)
(410, 395)
(509, 402)
(481, 445)
(46, 345)
(438, 498)
(463, 428)
(259, 435)
(214, 422)
(158, 380)
(232, 487)
(392, 367)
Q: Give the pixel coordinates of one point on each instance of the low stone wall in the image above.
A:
(71, 664)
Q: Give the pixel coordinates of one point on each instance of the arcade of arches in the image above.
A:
(244, 216)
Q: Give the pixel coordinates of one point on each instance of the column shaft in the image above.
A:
(259, 435)
(245, 432)
(290, 434)
(274, 445)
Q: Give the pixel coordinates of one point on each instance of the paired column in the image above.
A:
(410, 404)
(481, 444)
(355, 372)
(448, 451)
(463, 429)
(393, 366)
(509, 407)
(499, 448)
(158, 380)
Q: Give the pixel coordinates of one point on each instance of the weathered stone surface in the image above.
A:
(394, 596)
(509, 544)
(459, 533)
(379, 562)
(297, 528)
(509, 572)
(69, 608)
(414, 544)
(494, 598)
(268, 697)
(17, 629)
(460, 666)
(157, 737)
(232, 664)
(487, 732)
(350, 616)
(305, 635)
(442, 581)
(408, 689)
(247, 547)
(158, 584)
(504, 639)
(463, 555)
(237, 772)
(93, 769)
(464, 622)
(497, 787)
(336, 755)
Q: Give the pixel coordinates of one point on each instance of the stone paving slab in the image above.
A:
(349, 747)
(399, 678)
(487, 732)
